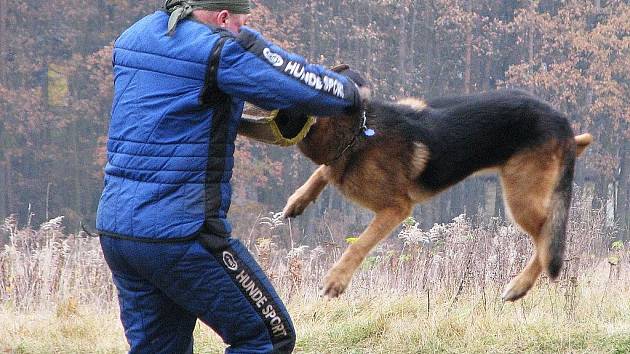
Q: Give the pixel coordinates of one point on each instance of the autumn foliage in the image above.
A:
(56, 87)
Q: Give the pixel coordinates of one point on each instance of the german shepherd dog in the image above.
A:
(395, 155)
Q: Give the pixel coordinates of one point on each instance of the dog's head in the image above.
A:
(330, 136)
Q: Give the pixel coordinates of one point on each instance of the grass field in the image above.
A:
(587, 319)
(425, 291)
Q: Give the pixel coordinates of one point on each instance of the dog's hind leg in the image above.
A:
(307, 193)
(382, 225)
(528, 182)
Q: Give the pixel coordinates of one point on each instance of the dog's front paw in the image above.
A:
(295, 205)
(335, 283)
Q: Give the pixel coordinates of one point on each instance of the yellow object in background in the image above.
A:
(58, 89)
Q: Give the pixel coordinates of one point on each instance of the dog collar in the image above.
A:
(363, 130)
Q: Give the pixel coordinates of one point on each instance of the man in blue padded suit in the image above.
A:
(181, 76)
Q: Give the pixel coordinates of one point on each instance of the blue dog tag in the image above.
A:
(369, 132)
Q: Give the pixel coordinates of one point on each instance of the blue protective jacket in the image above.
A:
(176, 109)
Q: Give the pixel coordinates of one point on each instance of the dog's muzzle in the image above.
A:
(279, 127)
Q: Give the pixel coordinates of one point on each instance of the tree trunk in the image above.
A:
(490, 198)
(3, 41)
(468, 58)
(623, 210)
(313, 30)
(369, 54)
(77, 170)
(3, 192)
(402, 47)
(432, 58)
(4, 165)
(8, 186)
(611, 203)
(486, 73)
(412, 38)
(530, 49)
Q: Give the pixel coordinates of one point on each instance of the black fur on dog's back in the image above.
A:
(468, 133)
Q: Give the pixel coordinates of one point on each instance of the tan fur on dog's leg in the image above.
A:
(382, 225)
(520, 285)
(307, 193)
(528, 181)
(583, 141)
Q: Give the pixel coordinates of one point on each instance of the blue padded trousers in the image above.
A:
(163, 288)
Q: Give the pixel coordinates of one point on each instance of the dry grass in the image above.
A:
(425, 291)
(543, 322)
(80, 330)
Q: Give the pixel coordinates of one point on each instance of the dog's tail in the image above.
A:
(556, 225)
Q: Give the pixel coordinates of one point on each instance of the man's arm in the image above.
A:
(253, 69)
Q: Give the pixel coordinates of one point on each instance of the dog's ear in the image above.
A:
(364, 86)
(340, 68)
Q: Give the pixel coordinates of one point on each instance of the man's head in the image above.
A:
(228, 14)
(224, 19)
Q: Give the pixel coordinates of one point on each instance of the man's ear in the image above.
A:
(340, 67)
(222, 16)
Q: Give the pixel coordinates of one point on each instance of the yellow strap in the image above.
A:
(278, 139)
